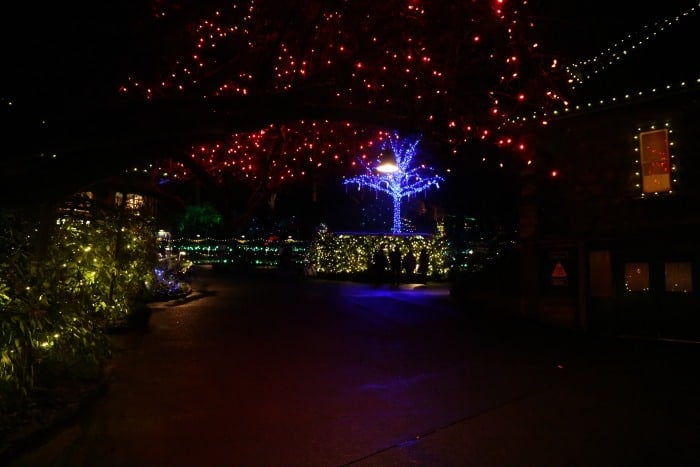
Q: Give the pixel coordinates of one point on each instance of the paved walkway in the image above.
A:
(272, 371)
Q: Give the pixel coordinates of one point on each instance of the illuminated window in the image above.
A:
(637, 277)
(679, 277)
(134, 202)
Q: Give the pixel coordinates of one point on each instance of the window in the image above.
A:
(679, 277)
(637, 277)
(131, 201)
(134, 202)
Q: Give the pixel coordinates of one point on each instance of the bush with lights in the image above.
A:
(349, 255)
(62, 287)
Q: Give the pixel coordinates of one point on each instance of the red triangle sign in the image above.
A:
(559, 271)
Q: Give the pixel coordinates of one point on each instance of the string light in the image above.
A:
(595, 67)
(587, 68)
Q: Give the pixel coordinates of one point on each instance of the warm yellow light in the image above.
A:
(387, 168)
(387, 164)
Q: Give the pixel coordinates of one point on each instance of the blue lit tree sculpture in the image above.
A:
(406, 178)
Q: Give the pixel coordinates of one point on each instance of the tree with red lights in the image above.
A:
(308, 84)
(270, 91)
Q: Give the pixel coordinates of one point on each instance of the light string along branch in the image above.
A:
(623, 48)
(614, 53)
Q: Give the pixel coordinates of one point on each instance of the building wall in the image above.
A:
(585, 228)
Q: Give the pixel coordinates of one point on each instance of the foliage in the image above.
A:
(201, 219)
(58, 299)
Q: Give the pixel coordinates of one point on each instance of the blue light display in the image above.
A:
(408, 180)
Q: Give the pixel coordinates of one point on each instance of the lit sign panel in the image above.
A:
(655, 161)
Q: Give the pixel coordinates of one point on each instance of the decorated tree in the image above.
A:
(402, 180)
